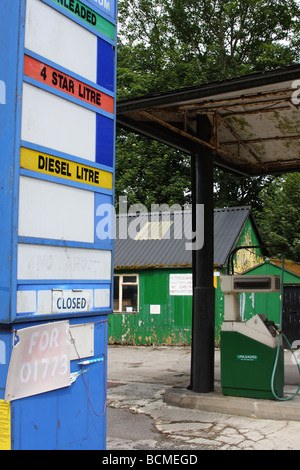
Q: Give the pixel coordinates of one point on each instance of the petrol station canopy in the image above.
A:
(255, 120)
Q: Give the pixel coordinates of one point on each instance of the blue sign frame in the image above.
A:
(12, 79)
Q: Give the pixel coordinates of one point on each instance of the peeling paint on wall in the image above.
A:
(247, 258)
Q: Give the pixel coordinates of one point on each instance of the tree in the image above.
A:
(168, 44)
(279, 220)
(230, 38)
(165, 44)
(232, 191)
(149, 56)
(148, 172)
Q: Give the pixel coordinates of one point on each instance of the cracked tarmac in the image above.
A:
(140, 419)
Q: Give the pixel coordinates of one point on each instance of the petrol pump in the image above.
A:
(57, 139)
(251, 349)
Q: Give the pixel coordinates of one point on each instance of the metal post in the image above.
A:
(202, 370)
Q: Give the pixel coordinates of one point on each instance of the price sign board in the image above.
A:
(57, 141)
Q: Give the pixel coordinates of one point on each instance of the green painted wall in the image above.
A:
(246, 259)
(171, 326)
(269, 304)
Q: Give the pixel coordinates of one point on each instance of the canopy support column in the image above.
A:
(203, 323)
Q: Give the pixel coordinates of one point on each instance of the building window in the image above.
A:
(126, 293)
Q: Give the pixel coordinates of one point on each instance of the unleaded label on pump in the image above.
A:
(247, 357)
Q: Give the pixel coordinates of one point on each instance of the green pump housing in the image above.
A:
(248, 349)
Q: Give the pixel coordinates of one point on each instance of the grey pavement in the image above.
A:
(149, 406)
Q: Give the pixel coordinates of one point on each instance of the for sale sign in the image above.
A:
(40, 360)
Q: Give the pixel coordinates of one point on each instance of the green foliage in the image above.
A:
(230, 38)
(148, 173)
(231, 191)
(169, 44)
(279, 220)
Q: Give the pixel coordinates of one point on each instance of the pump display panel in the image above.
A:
(235, 284)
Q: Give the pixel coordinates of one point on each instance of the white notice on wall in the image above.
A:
(155, 309)
(181, 284)
(40, 360)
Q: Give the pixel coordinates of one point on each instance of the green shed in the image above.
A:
(270, 304)
(153, 272)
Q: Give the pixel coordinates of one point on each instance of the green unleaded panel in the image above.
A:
(247, 366)
(88, 16)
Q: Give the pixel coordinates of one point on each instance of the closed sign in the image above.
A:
(70, 301)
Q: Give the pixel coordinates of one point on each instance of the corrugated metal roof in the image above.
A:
(170, 249)
(289, 265)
